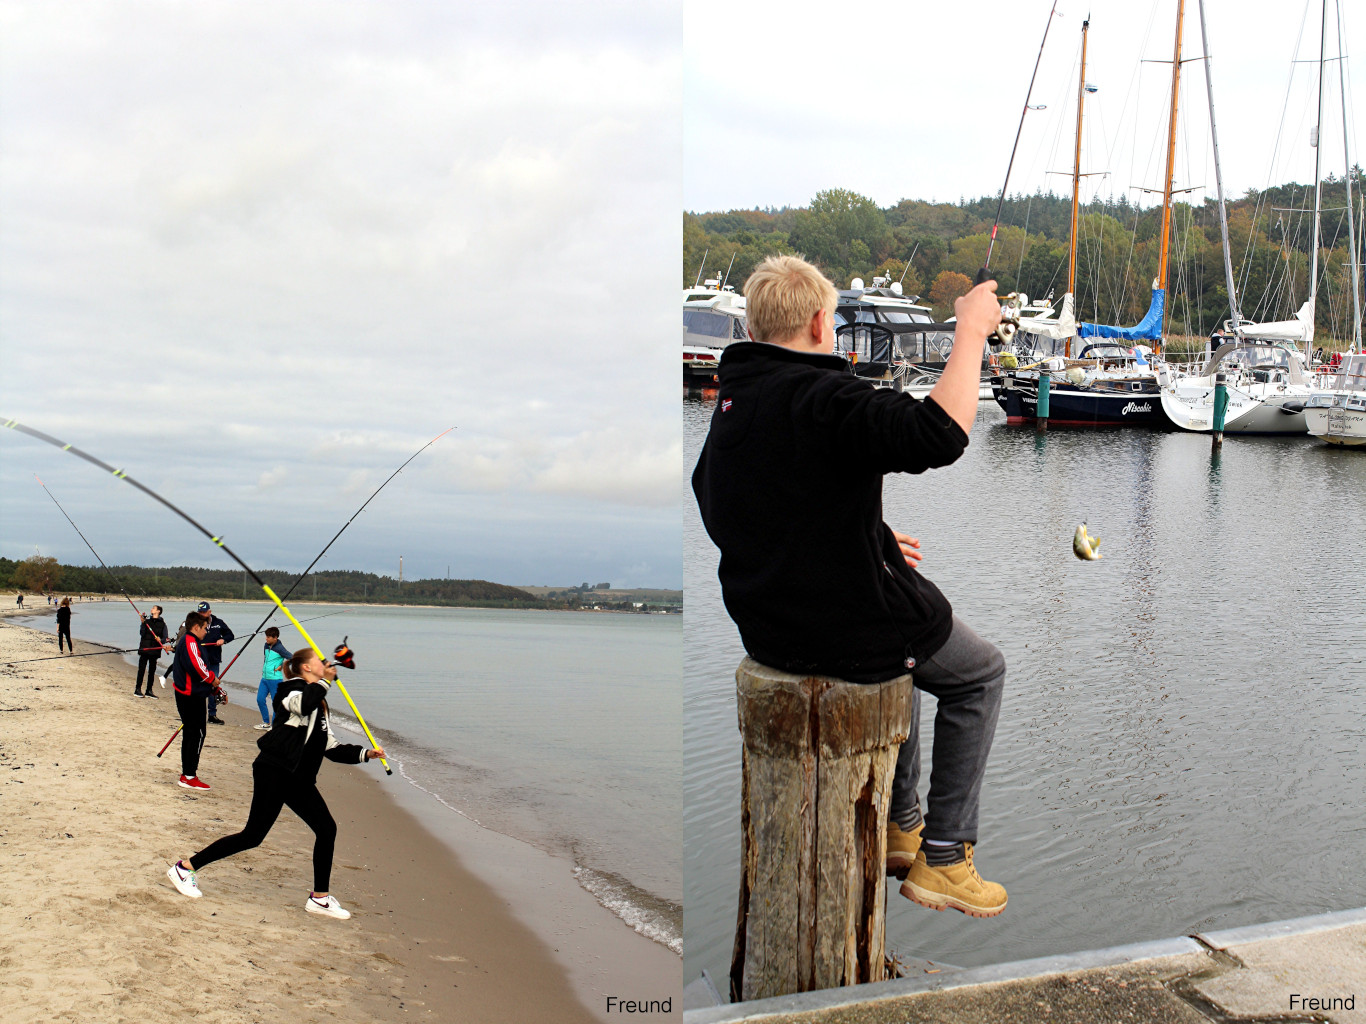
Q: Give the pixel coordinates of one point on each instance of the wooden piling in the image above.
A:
(819, 755)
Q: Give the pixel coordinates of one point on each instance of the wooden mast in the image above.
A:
(1076, 178)
(1171, 158)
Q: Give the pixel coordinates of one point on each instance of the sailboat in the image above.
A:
(1268, 387)
(1110, 382)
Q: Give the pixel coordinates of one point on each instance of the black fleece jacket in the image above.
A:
(789, 484)
(302, 735)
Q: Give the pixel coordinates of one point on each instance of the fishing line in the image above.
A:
(120, 474)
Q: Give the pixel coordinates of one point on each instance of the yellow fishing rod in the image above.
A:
(121, 475)
(304, 633)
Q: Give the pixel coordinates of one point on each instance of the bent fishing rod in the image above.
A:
(120, 474)
(141, 618)
(293, 586)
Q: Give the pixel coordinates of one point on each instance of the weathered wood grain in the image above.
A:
(818, 759)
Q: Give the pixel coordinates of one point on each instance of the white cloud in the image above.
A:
(311, 240)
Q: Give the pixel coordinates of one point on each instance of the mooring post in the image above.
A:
(818, 758)
(1041, 408)
(1220, 409)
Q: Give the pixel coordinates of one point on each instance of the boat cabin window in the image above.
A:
(707, 324)
(1248, 356)
(902, 316)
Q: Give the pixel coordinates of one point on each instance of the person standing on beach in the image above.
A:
(21, 601)
(194, 681)
(789, 485)
(285, 774)
(218, 635)
(271, 674)
(151, 642)
(64, 626)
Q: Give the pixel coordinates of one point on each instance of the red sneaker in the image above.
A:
(193, 783)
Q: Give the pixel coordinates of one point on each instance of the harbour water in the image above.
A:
(561, 729)
(1182, 744)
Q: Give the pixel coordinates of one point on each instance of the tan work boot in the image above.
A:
(901, 848)
(959, 886)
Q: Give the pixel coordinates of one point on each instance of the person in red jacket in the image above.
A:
(285, 774)
(194, 681)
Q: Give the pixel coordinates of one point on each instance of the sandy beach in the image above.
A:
(90, 929)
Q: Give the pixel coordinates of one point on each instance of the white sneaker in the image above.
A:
(183, 880)
(327, 906)
(262, 727)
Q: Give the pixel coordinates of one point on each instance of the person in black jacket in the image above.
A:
(151, 642)
(217, 635)
(64, 626)
(285, 774)
(789, 484)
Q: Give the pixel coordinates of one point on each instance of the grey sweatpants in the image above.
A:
(966, 677)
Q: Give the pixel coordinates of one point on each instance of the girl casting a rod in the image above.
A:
(285, 775)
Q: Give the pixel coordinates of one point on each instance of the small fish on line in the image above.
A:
(1084, 547)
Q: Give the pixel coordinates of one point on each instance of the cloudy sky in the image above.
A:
(258, 254)
(922, 100)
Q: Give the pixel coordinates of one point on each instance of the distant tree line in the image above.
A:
(1270, 236)
(46, 575)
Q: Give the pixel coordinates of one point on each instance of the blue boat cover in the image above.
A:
(1149, 328)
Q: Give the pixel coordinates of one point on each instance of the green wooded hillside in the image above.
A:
(328, 585)
(849, 235)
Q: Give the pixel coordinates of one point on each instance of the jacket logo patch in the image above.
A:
(725, 405)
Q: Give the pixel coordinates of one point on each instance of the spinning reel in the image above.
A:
(344, 656)
(1010, 314)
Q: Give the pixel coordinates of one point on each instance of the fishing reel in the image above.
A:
(220, 694)
(344, 656)
(1010, 321)
(1010, 314)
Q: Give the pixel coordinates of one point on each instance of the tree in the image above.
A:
(38, 573)
(947, 287)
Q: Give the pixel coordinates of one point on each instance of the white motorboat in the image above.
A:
(1267, 391)
(713, 317)
(1338, 414)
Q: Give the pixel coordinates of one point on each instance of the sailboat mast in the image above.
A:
(1171, 150)
(1076, 165)
(1076, 180)
(1351, 230)
(1219, 179)
(1318, 196)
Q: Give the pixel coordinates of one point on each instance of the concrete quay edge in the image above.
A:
(1020, 970)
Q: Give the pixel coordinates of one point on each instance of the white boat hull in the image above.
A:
(1191, 407)
(1337, 426)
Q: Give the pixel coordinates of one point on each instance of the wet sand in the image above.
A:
(90, 928)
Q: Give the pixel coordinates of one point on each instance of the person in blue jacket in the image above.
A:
(271, 674)
(215, 637)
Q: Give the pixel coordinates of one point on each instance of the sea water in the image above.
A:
(1182, 744)
(558, 728)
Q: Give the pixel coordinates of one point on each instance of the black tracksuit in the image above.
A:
(789, 485)
(64, 628)
(285, 774)
(151, 636)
